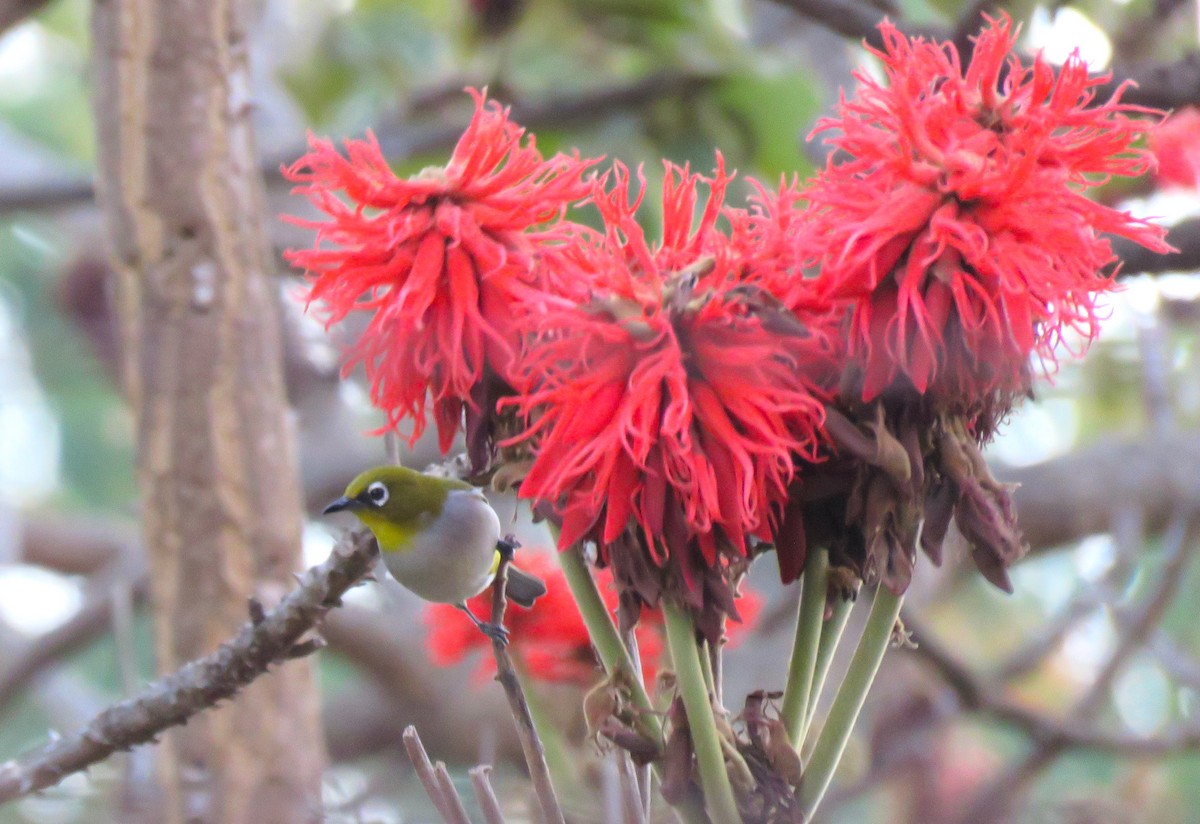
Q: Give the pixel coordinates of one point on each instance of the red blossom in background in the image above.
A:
(951, 214)
(550, 640)
(441, 262)
(677, 393)
(1176, 145)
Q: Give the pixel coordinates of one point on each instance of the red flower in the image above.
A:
(677, 396)
(952, 213)
(1176, 144)
(550, 640)
(441, 261)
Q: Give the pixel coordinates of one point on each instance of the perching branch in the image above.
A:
(200, 684)
(506, 674)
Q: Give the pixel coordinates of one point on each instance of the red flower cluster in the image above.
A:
(1176, 145)
(442, 262)
(550, 640)
(679, 392)
(674, 389)
(951, 214)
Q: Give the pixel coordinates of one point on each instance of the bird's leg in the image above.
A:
(496, 632)
(507, 546)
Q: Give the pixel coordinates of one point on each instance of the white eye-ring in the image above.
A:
(378, 493)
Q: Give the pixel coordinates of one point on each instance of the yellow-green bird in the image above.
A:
(439, 537)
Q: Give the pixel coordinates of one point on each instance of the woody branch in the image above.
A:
(269, 638)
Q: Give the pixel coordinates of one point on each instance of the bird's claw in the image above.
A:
(507, 546)
(498, 633)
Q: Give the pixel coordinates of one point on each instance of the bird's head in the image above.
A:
(395, 502)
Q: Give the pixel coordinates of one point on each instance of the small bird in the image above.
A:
(439, 537)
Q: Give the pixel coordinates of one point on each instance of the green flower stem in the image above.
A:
(681, 638)
(555, 749)
(797, 695)
(605, 638)
(849, 700)
(706, 667)
(613, 654)
(831, 635)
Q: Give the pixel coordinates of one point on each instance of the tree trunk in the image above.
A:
(181, 191)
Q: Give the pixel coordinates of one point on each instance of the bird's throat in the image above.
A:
(392, 537)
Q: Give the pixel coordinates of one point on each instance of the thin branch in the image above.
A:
(975, 695)
(454, 802)
(969, 21)
(1140, 32)
(13, 12)
(199, 684)
(631, 797)
(425, 772)
(1129, 531)
(854, 19)
(1168, 86)
(1138, 260)
(485, 795)
(506, 674)
(1159, 85)
(993, 802)
(402, 140)
(88, 623)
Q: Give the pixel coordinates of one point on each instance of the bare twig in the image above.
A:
(400, 139)
(969, 21)
(631, 797)
(426, 772)
(199, 684)
(975, 694)
(1128, 530)
(506, 674)
(485, 795)
(1140, 32)
(454, 803)
(13, 12)
(1184, 236)
(1160, 85)
(994, 801)
(853, 18)
(91, 621)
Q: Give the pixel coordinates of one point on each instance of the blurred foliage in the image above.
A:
(340, 67)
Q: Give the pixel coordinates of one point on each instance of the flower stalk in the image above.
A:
(831, 635)
(689, 676)
(827, 753)
(605, 638)
(805, 648)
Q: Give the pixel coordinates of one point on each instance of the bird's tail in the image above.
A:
(523, 588)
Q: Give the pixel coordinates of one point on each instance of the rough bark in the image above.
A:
(182, 198)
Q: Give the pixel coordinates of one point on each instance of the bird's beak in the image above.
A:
(341, 504)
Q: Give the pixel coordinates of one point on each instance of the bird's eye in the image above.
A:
(378, 493)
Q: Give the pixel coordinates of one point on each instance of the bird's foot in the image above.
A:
(507, 546)
(498, 633)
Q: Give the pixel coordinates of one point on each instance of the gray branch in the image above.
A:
(200, 684)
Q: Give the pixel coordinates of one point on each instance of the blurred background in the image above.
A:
(1075, 699)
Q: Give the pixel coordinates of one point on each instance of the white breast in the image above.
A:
(452, 559)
